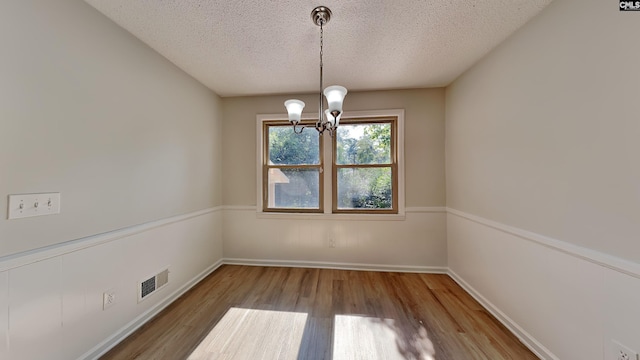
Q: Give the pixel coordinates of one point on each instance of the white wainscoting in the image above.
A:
(563, 301)
(4, 315)
(415, 242)
(51, 299)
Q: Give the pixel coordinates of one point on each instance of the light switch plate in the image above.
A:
(28, 205)
(621, 352)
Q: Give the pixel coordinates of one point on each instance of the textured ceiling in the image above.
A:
(250, 47)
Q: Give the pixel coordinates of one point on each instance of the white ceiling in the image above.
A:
(250, 47)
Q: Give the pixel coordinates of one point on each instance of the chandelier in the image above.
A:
(335, 94)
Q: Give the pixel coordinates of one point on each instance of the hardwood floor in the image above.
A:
(245, 312)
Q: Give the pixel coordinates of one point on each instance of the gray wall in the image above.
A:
(543, 182)
(424, 140)
(543, 134)
(89, 111)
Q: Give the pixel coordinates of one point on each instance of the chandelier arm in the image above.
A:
(328, 128)
(301, 127)
(298, 129)
(326, 122)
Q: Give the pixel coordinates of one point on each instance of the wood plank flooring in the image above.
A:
(248, 312)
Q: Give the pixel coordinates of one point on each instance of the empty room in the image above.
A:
(338, 180)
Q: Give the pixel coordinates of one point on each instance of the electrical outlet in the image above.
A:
(108, 299)
(332, 242)
(621, 352)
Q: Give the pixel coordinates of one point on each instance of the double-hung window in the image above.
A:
(292, 169)
(359, 167)
(365, 175)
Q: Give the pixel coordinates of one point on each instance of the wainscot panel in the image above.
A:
(564, 303)
(54, 296)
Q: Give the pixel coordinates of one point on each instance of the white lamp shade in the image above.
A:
(334, 121)
(335, 95)
(294, 108)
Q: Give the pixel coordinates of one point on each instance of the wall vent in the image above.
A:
(151, 284)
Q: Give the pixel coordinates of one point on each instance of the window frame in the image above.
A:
(393, 165)
(266, 167)
(328, 171)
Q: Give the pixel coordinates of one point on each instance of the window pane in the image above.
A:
(289, 148)
(294, 188)
(363, 144)
(365, 188)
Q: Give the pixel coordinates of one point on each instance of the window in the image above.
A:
(292, 169)
(365, 167)
(362, 173)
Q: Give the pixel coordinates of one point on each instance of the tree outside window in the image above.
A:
(364, 167)
(293, 169)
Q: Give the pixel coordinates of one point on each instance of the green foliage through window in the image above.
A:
(364, 166)
(288, 148)
(364, 170)
(364, 144)
(364, 188)
(293, 169)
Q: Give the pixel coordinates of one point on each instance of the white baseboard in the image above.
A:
(106, 345)
(338, 266)
(606, 261)
(136, 323)
(529, 341)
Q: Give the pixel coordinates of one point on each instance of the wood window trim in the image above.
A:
(393, 165)
(326, 177)
(266, 167)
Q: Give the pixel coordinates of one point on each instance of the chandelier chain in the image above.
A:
(321, 41)
(320, 122)
(326, 121)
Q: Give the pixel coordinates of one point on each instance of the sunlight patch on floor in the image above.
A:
(253, 334)
(361, 337)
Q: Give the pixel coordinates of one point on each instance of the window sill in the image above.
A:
(342, 217)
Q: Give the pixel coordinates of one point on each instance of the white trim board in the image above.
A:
(411, 209)
(529, 341)
(605, 260)
(426, 209)
(106, 345)
(338, 266)
(29, 257)
(399, 113)
(341, 217)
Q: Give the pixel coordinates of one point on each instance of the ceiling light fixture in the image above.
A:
(335, 94)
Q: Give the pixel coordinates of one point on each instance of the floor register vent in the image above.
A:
(152, 284)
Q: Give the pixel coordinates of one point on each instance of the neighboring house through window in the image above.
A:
(292, 169)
